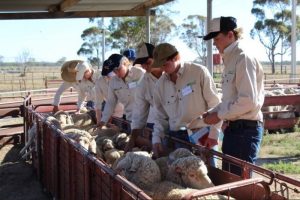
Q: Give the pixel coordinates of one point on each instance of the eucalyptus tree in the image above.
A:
(273, 27)
(193, 27)
(91, 48)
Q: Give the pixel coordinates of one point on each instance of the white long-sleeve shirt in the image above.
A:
(84, 88)
(143, 110)
(123, 92)
(177, 104)
(101, 94)
(242, 85)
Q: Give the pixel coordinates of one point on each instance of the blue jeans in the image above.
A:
(242, 139)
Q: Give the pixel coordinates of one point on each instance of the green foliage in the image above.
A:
(273, 30)
(193, 27)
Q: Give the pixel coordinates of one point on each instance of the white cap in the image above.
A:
(81, 69)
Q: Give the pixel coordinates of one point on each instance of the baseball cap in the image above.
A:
(161, 53)
(130, 54)
(114, 61)
(106, 68)
(220, 24)
(145, 51)
(81, 69)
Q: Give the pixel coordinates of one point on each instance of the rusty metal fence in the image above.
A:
(68, 171)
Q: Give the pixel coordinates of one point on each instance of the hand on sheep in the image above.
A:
(100, 124)
(158, 150)
(134, 134)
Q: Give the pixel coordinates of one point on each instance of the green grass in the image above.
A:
(282, 146)
(283, 167)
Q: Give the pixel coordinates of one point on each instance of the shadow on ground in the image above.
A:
(18, 179)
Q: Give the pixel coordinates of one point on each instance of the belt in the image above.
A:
(243, 123)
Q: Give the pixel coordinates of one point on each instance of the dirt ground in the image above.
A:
(17, 177)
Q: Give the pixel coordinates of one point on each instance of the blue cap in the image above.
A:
(130, 54)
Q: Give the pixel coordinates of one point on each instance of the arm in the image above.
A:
(56, 101)
(141, 108)
(99, 97)
(160, 125)
(110, 103)
(246, 87)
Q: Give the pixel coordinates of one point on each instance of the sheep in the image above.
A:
(112, 155)
(83, 138)
(64, 118)
(82, 120)
(53, 121)
(139, 168)
(121, 140)
(171, 191)
(189, 171)
(163, 165)
(179, 153)
(106, 131)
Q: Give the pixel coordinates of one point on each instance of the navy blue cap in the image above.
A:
(218, 25)
(106, 69)
(114, 61)
(130, 54)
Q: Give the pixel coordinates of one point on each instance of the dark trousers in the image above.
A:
(242, 139)
(183, 135)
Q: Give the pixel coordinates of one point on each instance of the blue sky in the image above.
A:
(50, 40)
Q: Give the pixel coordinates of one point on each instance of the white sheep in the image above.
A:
(179, 153)
(120, 140)
(112, 155)
(82, 120)
(189, 171)
(83, 138)
(139, 168)
(171, 191)
(63, 117)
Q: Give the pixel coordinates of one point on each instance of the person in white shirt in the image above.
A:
(121, 87)
(81, 76)
(143, 112)
(101, 92)
(183, 92)
(243, 94)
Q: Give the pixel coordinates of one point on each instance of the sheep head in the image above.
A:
(193, 172)
(179, 153)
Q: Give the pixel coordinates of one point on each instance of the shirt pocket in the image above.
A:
(123, 95)
(228, 78)
(171, 106)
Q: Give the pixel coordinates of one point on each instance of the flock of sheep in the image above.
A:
(171, 177)
(281, 111)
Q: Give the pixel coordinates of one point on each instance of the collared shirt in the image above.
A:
(177, 104)
(143, 106)
(122, 91)
(242, 85)
(84, 88)
(101, 93)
